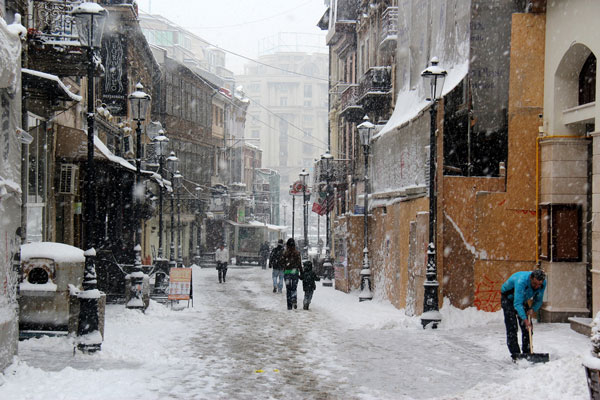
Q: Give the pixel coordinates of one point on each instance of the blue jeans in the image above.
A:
(291, 289)
(278, 279)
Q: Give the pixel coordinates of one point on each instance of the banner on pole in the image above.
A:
(180, 283)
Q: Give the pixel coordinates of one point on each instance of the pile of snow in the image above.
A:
(59, 252)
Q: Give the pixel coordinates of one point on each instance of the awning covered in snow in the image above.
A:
(46, 86)
(72, 144)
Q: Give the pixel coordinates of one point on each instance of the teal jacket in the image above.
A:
(519, 288)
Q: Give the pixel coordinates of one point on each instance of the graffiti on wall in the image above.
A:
(487, 292)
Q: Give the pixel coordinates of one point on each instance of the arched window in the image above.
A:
(587, 81)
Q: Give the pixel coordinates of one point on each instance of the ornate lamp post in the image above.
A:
(90, 19)
(433, 76)
(172, 165)
(139, 102)
(304, 177)
(178, 181)
(198, 225)
(365, 132)
(160, 146)
(327, 264)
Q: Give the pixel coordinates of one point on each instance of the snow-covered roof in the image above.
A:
(273, 227)
(59, 252)
(411, 103)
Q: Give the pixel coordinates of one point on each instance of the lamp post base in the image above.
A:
(327, 265)
(432, 318)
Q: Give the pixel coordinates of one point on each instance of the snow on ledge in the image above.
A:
(54, 78)
(34, 287)
(59, 252)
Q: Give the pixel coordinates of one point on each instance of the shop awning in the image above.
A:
(40, 85)
(71, 144)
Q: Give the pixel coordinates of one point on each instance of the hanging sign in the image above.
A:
(180, 283)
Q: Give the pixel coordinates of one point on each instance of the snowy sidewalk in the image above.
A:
(240, 342)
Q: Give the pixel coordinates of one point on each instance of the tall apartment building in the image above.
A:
(288, 110)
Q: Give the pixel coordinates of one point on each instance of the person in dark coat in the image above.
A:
(308, 277)
(263, 253)
(276, 262)
(292, 269)
(516, 291)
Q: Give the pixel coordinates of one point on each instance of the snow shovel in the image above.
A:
(531, 356)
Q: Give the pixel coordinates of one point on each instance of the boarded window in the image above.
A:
(560, 232)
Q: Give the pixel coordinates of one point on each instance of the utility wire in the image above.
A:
(283, 119)
(275, 130)
(251, 22)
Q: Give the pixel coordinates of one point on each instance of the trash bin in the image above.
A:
(48, 272)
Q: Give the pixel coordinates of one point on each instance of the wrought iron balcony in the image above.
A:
(53, 41)
(336, 92)
(351, 110)
(389, 28)
(375, 88)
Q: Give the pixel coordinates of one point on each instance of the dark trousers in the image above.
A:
(222, 269)
(308, 294)
(512, 321)
(291, 289)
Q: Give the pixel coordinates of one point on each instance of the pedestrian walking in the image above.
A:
(521, 287)
(222, 258)
(293, 266)
(263, 253)
(308, 277)
(276, 262)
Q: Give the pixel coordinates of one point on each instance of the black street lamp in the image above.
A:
(139, 102)
(433, 75)
(90, 19)
(365, 132)
(198, 225)
(178, 181)
(304, 177)
(160, 146)
(172, 165)
(327, 264)
(293, 212)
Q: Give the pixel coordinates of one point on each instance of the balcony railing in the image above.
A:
(351, 110)
(375, 82)
(336, 92)
(389, 26)
(51, 21)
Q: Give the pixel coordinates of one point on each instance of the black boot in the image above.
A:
(274, 290)
(306, 306)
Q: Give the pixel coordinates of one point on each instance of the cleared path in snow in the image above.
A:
(240, 342)
(252, 345)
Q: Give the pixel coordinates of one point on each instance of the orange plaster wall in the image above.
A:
(389, 246)
(458, 239)
(352, 226)
(500, 225)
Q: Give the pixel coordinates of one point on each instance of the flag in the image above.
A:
(320, 205)
(324, 202)
(318, 208)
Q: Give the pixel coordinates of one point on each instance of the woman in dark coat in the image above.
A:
(292, 269)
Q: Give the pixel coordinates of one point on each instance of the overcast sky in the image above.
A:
(246, 26)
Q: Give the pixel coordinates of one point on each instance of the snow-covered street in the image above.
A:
(240, 342)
